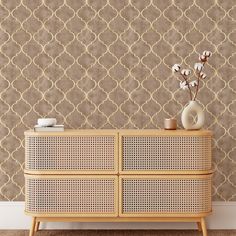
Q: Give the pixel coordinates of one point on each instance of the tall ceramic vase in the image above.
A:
(192, 107)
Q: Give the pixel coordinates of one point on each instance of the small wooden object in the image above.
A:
(170, 124)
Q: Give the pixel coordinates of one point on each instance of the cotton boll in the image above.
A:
(176, 67)
(198, 66)
(186, 72)
(193, 83)
(207, 53)
(203, 75)
(183, 84)
(202, 58)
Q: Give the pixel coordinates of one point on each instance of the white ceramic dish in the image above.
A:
(44, 122)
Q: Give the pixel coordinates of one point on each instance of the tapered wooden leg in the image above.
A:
(31, 233)
(37, 226)
(204, 229)
(199, 226)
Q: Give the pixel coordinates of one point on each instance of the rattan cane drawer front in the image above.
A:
(72, 195)
(171, 195)
(165, 153)
(88, 154)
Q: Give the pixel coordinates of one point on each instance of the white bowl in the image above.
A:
(44, 122)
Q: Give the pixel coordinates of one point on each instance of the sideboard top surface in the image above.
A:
(75, 132)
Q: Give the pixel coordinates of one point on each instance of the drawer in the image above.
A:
(87, 154)
(170, 195)
(71, 195)
(145, 154)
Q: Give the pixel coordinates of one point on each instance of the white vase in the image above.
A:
(186, 118)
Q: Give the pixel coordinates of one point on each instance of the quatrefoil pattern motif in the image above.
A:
(97, 64)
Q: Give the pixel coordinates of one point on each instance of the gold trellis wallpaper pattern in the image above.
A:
(106, 64)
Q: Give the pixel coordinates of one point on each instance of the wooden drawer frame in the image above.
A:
(81, 177)
(161, 133)
(161, 177)
(71, 133)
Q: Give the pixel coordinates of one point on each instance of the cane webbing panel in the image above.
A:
(70, 153)
(166, 153)
(168, 195)
(71, 195)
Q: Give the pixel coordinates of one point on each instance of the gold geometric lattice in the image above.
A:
(106, 64)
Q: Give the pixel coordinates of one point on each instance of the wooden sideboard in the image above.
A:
(118, 176)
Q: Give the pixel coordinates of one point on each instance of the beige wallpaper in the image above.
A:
(106, 64)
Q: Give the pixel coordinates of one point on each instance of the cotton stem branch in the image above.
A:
(187, 83)
(198, 82)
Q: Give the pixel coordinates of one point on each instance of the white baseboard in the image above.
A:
(12, 217)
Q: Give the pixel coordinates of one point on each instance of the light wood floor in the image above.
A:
(119, 233)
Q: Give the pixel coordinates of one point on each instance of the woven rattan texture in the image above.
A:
(70, 153)
(166, 153)
(166, 195)
(107, 64)
(77, 195)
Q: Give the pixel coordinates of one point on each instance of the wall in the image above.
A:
(107, 64)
